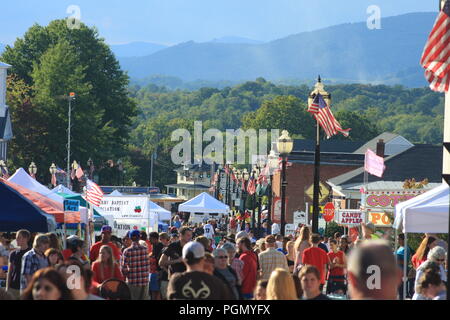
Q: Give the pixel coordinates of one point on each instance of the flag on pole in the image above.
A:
(94, 193)
(436, 54)
(262, 178)
(325, 117)
(374, 164)
(227, 170)
(251, 187)
(79, 173)
(243, 184)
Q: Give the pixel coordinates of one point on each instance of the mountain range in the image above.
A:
(348, 52)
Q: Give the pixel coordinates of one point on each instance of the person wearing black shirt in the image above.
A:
(15, 263)
(172, 256)
(195, 284)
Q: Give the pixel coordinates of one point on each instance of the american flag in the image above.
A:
(262, 178)
(94, 194)
(326, 118)
(436, 54)
(251, 187)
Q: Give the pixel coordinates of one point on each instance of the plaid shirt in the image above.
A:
(271, 259)
(32, 261)
(135, 264)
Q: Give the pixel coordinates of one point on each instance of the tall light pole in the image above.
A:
(90, 164)
(285, 145)
(327, 97)
(273, 165)
(69, 126)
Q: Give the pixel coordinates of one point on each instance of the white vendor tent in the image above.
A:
(426, 213)
(116, 193)
(63, 189)
(22, 178)
(163, 214)
(204, 203)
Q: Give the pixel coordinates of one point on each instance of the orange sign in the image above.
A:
(380, 219)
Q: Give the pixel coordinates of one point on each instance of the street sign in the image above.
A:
(328, 211)
(323, 192)
(72, 205)
(299, 217)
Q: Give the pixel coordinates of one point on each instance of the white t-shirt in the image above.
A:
(208, 231)
(276, 228)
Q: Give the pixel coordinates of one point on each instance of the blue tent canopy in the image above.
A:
(17, 212)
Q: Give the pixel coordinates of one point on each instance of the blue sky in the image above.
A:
(175, 21)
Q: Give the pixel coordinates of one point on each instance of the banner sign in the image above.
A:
(388, 199)
(349, 217)
(380, 219)
(72, 205)
(132, 207)
(276, 215)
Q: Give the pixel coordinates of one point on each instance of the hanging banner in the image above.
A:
(276, 215)
(349, 217)
(126, 207)
(122, 226)
(386, 200)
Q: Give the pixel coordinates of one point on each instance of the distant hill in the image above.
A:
(344, 53)
(136, 49)
(232, 39)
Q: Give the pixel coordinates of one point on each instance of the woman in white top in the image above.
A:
(436, 255)
(301, 244)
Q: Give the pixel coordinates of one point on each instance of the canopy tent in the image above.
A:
(426, 213)
(63, 189)
(45, 204)
(116, 193)
(204, 203)
(22, 178)
(163, 214)
(17, 212)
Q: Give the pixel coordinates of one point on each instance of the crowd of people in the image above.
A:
(191, 262)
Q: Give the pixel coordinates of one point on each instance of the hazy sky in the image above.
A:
(174, 21)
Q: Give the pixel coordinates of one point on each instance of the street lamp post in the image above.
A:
(120, 168)
(246, 176)
(90, 164)
(32, 169)
(69, 126)
(284, 146)
(319, 88)
(273, 165)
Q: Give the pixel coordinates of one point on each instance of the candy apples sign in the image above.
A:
(348, 217)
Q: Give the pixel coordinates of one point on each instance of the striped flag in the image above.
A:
(94, 194)
(326, 119)
(79, 173)
(251, 187)
(436, 54)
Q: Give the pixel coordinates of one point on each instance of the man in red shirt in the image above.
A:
(317, 257)
(106, 240)
(336, 274)
(250, 267)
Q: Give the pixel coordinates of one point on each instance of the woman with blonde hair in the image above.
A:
(105, 267)
(281, 286)
(302, 243)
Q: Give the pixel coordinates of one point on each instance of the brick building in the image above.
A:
(337, 158)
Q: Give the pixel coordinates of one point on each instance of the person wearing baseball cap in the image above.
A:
(195, 283)
(106, 240)
(135, 267)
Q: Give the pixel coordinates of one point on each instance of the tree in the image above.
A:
(363, 129)
(55, 60)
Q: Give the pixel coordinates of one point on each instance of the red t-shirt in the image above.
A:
(336, 271)
(107, 273)
(416, 262)
(249, 272)
(318, 258)
(95, 249)
(67, 253)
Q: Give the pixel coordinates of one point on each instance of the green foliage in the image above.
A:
(332, 228)
(48, 63)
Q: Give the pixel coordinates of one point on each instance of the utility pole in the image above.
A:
(70, 98)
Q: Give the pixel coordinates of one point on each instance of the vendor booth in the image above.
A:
(204, 207)
(18, 212)
(426, 213)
